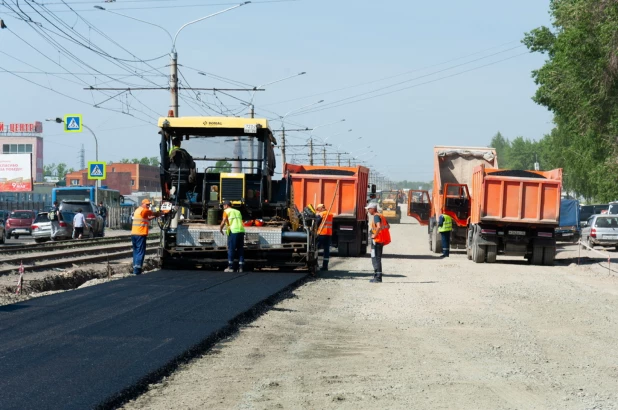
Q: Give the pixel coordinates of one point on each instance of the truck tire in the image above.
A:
(344, 249)
(479, 253)
(437, 241)
(537, 255)
(549, 256)
(492, 253)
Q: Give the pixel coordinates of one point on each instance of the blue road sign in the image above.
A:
(73, 123)
(96, 170)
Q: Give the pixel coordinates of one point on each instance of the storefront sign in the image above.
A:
(33, 127)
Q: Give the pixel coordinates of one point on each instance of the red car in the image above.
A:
(19, 223)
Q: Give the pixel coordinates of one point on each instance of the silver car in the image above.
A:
(41, 227)
(601, 230)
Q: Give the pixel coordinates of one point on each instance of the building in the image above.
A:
(126, 178)
(24, 138)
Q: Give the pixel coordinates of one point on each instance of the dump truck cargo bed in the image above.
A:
(343, 191)
(514, 213)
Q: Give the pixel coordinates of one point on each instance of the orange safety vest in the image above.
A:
(327, 224)
(384, 236)
(141, 221)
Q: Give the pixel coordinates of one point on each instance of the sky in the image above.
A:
(406, 75)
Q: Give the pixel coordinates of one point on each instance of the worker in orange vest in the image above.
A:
(325, 233)
(139, 232)
(380, 237)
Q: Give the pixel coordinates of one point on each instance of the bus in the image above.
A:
(110, 197)
(86, 193)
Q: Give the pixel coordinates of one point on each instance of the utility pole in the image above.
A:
(349, 162)
(283, 145)
(82, 158)
(339, 159)
(310, 151)
(324, 155)
(174, 84)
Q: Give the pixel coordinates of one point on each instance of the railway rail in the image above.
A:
(67, 244)
(65, 255)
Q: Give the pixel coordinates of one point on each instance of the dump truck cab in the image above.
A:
(228, 159)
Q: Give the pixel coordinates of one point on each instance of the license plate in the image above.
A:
(610, 236)
(567, 234)
(21, 230)
(521, 233)
(250, 128)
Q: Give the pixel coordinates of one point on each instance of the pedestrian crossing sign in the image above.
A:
(73, 123)
(96, 170)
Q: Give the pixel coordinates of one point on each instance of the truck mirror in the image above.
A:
(373, 188)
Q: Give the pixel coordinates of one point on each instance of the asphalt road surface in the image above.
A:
(88, 347)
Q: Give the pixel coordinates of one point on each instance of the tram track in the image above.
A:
(76, 253)
(67, 244)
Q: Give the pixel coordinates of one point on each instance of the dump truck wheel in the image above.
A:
(537, 255)
(344, 249)
(549, 256)
(479, 254)
(492, 253)
(437, 241)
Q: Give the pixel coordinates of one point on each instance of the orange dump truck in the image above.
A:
(514, 213)
(452, 178)
(343, 190)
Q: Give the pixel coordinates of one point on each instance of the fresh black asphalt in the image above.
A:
(92, 346)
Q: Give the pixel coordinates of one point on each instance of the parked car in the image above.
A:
(19, 223)
(601, 230)
(90, 211)
(41, 227)
(3, 232)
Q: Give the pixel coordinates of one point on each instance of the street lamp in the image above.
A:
(282, 119)
(173, 54)
(96, 147)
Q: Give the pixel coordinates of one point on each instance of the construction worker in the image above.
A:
(103, 213)
(380, 237)
(325, 233)
(181, 159)
(54, 217)
(445, 226)
(236, 236)
(139, 232)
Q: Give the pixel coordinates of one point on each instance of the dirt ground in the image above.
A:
(437, 334)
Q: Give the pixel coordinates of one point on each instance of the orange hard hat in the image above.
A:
(259, 222)
(248, 223)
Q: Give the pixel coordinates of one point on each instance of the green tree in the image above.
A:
(154, 161)
(502, 146)
(62, 170)
(125, 161)
(48, 170)
(579, 84)
(221, 166)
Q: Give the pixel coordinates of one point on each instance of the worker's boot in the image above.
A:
(229, 269)
(377, 278)
(324, 266)
(240, 267)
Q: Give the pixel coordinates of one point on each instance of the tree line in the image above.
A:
(579, 84)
